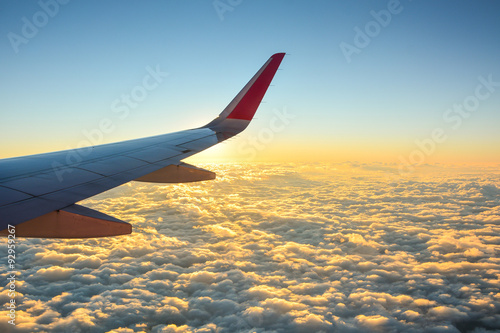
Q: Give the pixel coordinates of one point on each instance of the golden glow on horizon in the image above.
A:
(380, 151)
(241, 150)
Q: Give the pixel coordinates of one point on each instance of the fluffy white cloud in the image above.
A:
(284, 248)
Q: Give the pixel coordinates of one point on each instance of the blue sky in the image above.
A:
(63, 81)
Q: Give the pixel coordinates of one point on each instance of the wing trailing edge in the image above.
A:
(181, 173)
(74, 221)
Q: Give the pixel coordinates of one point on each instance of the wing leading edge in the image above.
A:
(38, 192)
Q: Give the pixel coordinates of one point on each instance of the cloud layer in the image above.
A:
(284, 248)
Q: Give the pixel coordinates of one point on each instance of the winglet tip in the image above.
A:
(245, 104)
(278, 55)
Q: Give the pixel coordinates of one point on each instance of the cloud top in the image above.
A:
(276, 247)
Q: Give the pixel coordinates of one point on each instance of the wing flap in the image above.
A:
(74, 221)
(181, 173)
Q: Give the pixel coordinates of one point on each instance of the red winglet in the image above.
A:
(255, 89)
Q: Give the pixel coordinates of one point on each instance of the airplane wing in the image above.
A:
(38, 193)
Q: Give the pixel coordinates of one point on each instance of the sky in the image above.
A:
(362, 81)
(363, 197)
